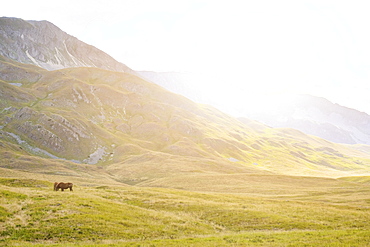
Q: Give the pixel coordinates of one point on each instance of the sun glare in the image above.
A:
(244, 49)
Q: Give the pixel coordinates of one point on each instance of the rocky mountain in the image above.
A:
(316, 116)
(136, 131)
(43, 44)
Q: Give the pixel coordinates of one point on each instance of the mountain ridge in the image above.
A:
(332, 121)
(317, 116)
(43, 44)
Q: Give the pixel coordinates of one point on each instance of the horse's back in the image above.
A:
(63, 186)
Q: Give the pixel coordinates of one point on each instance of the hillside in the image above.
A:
(180, 83)
(309, 114)
(43, 44)
(139, 132)
(103, 114)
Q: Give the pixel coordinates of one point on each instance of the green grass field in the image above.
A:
(329, 212)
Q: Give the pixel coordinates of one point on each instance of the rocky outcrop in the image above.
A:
(43, 44)
(53, 133)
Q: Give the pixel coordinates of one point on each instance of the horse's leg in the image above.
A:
(62, 189)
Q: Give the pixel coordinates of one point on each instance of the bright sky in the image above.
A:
(246, 50)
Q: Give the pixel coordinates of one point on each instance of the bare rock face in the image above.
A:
(53, 133)
(43, 44)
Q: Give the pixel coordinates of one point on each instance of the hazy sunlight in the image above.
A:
(242, 48)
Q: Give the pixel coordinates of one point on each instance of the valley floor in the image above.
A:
(328, 212)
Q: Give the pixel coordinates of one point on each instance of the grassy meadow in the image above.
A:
(309, 212)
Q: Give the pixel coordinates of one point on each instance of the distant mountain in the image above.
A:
(316, 116)
(309, 114)
(43, 44)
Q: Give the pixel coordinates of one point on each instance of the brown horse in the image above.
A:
(63, 186)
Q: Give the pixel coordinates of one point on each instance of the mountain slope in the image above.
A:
(180, 83)
(312, 115)
(140, 132)
(133, 130)
(43, 44)
(317, 116)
